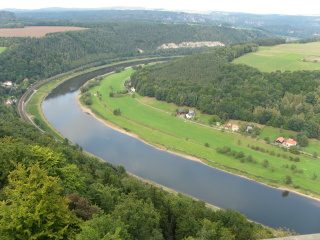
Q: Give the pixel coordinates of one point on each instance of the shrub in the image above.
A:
(288, 180)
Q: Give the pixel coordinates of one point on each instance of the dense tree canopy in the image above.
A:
(60, 52)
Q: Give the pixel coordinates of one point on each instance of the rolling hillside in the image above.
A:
(284, 57)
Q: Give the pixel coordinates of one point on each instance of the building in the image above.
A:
(290, 142)
(235, 128)
(280, 140)
(9, 101)
(8, 83)
(249, 128)
(190, 114)
(180, 111)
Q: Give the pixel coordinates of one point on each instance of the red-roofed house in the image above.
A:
(8, 83)
(228, 126)
(280, 140)
(9, 101)
(25, 80)
(290, 142)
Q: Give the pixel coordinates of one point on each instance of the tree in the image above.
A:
(302, 139)
(140, 217)
(103, 227)
(214, 230)
(288, 180)
(294, 150)
(117, 112)
(81, 207)
(33, 207)
(265, 163)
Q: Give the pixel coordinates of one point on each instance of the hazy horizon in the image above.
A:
(307, 7)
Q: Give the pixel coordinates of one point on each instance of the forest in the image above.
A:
(36, 58)
(210, 82)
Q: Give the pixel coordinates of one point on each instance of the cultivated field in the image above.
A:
(37, 31)
(271, 164)
(284, 57)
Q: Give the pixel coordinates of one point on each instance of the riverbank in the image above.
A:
(192, 158)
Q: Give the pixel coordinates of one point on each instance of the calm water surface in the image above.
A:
(269, 206)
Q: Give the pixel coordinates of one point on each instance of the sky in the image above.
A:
(287, 7)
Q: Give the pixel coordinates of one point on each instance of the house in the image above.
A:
(235, 128)
(133, 89)
(9, 101)
(190, 114)
(180, 111)
(25, 80)
(8, 83)
(280, 140)
(290, 142)
(228, 126)
(249, 128)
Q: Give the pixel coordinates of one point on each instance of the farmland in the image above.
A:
(271, 164)
(38, 31)
(284, 57)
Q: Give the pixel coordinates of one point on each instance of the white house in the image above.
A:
(190, 114)
(7, 83)
(235, 128)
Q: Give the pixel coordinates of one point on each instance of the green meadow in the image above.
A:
(284, 57)
(2, 49)
(172, 133)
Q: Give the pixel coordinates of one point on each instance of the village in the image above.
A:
(12, 86)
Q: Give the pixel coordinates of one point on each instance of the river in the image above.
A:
(266, 205)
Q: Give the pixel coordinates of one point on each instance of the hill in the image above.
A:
(60, 52)
(281, 25)
(212, 84)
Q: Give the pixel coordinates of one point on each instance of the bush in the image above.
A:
(265, 163)
(117, 112)
(294, 150)
(288, 180)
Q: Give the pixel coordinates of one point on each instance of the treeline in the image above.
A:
(52, 190)
(212, 84)
(36, 58)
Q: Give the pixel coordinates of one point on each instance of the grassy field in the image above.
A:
(169, 132)
(2, 49)
(284, 57)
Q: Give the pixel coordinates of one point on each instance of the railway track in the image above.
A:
(21, 102)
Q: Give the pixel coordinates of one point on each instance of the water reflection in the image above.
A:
(285, 194)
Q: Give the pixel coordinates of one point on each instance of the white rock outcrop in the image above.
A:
(191, 44)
